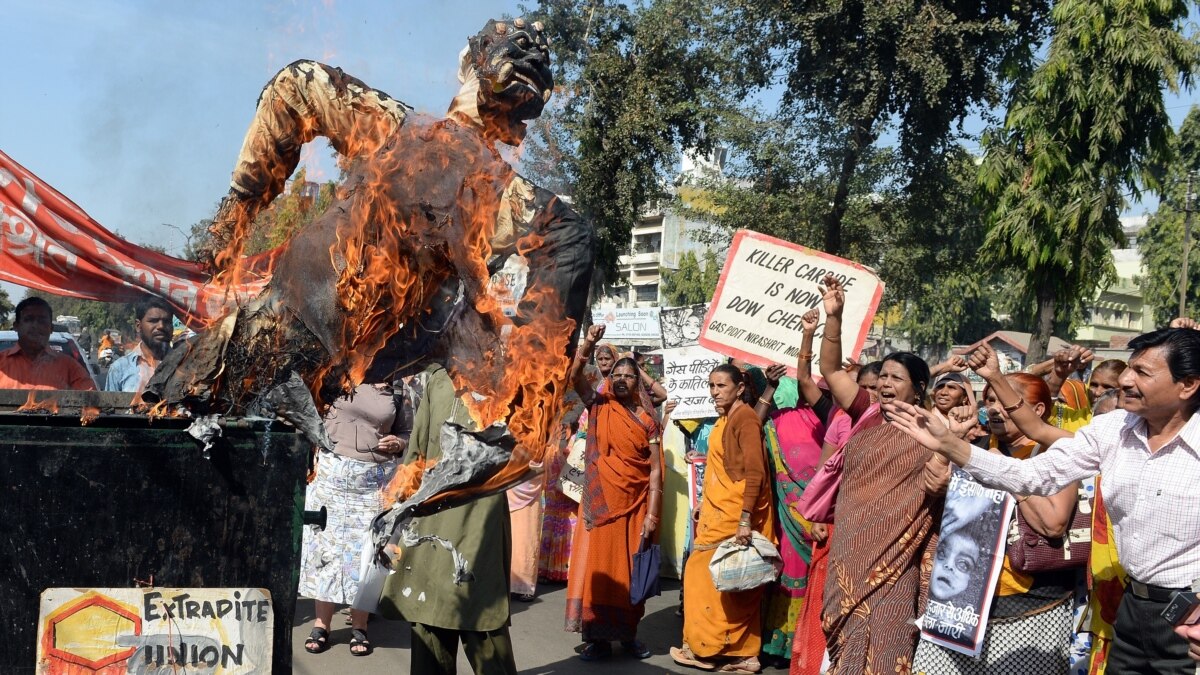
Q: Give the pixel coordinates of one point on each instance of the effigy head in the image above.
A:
(511, 63)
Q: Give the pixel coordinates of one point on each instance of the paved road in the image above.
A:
(542, 646)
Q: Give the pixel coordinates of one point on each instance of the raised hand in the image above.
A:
(963, 419)
(1185, 322)
(833, 296)
(808, 322)
(984, 362)
(774, 372)
(918, 423)
(595, 333)
(1064, 361)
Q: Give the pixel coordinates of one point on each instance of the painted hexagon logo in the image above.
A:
(88, 632)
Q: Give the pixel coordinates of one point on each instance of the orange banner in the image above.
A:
(50, 244)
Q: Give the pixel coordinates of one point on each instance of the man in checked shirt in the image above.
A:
(1149, 454)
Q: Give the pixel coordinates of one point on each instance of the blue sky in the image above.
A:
(136, 110)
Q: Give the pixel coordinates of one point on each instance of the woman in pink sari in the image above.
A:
(793, 438)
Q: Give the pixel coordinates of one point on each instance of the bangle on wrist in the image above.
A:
(764, 401)
(1013, 408)
(832, 338)
(806, 356)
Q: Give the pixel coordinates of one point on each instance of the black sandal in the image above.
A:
(317, 641)
(636, 648)
(359, 639)
(594, 651)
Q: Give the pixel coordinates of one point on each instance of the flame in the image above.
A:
(404, 482)
(398, 240)
(88, 414)
(32, 405)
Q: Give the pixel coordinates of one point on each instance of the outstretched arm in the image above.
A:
(809, 391)
(985, 362)
(304, 100)
(842, 384)
(575, 374)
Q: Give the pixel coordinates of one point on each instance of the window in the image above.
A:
(646, 293)
(647, 243)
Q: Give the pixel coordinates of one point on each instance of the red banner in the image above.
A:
(49, 244)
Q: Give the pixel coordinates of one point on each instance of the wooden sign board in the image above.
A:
(151, 630)
(767, 284)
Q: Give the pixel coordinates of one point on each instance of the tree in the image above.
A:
(930, 260)
(6, 306)
(689, 285)
(1089, 125)
(639, 82)
(1161, 241)
(862, 64)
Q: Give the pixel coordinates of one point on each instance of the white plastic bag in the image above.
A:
(740, 568)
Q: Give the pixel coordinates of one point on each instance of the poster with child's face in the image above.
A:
(966, 564)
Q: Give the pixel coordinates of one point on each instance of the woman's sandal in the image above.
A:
(359, 644)
(684, 657)
(317, 641)
(594, 651)
(746, 666)
(636, 648)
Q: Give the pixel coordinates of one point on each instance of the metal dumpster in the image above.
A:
(127, 500)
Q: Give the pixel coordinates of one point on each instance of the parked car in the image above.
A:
(63, 342)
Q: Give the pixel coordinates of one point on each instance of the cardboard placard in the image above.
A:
(685, 371)
(967, 563)
(143, 630)
(767, 284)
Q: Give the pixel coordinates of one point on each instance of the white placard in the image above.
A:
(685, 371)
(628, 323)
(767, 284)
(227, 630)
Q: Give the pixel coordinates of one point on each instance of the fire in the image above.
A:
(32, 405)
(88, 414)
(404, 482)
(422, 206)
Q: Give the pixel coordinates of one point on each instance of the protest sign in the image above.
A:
(767, 284)
(629, 323)
(145, 630)
(686, 370)
(681, 325)
(966, 566)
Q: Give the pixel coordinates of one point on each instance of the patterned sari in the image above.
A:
(793, 439)
(881, 552)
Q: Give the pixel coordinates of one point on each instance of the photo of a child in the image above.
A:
(966, 565)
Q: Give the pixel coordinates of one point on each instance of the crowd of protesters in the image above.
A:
(1119, 441)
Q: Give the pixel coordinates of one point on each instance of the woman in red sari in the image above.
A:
(619, 509)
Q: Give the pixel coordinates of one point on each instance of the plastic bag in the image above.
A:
(740, 568)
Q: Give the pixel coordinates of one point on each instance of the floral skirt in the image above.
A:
(351, 492)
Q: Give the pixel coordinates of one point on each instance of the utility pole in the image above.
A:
(1189, 205)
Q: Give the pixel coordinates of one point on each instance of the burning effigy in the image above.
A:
(434, 250)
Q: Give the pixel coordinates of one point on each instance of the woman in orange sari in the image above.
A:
(619, 509)
(723, 630)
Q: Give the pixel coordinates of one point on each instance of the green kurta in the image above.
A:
(423, 590)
